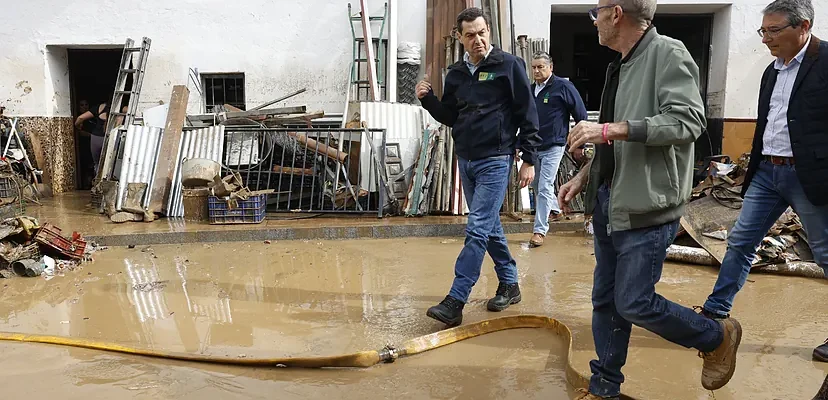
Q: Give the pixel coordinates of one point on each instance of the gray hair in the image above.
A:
(641, 10)
(798, 11)
(542, 55)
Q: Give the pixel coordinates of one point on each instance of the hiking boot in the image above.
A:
(586, 395)
(449, 311)
(821, 352)
(506, 295)
(536, 241)
(720, 364)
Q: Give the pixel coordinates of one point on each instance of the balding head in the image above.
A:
(640, 11)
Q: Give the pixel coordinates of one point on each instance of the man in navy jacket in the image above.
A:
(789, 159)
(556, 100)
(486, 100)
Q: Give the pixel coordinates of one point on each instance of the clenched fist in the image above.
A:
(423, 87)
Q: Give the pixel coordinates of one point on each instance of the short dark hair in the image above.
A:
(470, 15)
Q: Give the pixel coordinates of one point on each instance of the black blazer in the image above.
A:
(807, 122)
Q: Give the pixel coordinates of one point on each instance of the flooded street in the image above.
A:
(320, 298)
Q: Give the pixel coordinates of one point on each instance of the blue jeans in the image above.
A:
(544, 185)
(628, 266)
(484, 184)
(772, 190)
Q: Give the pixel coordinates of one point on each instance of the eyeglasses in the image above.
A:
(593, 13)
(772, 32)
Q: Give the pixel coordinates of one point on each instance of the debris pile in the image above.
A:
(29, 249)
(712, 213)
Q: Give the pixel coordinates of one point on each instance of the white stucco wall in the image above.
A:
(281, 46)
(285, 45)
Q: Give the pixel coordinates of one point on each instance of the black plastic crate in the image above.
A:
(224, 211)
(8, 188)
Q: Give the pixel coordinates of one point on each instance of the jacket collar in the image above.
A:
(780, 62)
(546, 84)
(813, 49)
(642, 44)
(496, 56)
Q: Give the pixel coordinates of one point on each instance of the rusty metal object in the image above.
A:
(195, 204)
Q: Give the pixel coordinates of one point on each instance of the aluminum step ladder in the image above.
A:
(133, 63)
(359, 83)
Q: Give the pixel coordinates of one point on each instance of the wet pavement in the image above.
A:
(73, 212)
(307, 298)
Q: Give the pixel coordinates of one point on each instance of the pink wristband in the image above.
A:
(604, 134)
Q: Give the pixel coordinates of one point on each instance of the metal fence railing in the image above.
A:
(312, 169)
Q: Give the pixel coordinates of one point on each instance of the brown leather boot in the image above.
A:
(720, 364)
(536, 241)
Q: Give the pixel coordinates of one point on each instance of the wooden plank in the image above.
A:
(292, 171)
(369, 51)
(266, 112)
(331, 152)
(170, 140)
(231, 108)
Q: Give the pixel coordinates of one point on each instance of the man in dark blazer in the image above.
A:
(789, 160)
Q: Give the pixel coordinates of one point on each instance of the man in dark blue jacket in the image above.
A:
(789, 159)
(486, 100)
(556, 99)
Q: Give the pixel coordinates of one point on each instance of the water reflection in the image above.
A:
(145, 294)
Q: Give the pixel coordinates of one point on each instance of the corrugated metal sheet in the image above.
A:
(404, 125)
(200, 143)
(141, 148)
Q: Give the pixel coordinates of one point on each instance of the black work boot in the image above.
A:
(709, 314)
(449, 311)
(506, 295)
(821, 352)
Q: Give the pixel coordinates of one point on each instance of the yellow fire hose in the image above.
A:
(363, 359)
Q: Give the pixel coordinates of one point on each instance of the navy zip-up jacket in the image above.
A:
(486, 109)
(555, 103)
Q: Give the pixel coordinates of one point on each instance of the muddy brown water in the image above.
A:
(305, 298)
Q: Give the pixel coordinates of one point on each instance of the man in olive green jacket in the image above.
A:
(638, 184)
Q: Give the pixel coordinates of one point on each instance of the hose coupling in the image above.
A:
(388, 354)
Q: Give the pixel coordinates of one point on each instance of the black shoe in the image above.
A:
(709, 314)
(449, 311)
(821, 352)
(506, 295)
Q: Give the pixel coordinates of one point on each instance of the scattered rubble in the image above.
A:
(712, 213)
(29, 249)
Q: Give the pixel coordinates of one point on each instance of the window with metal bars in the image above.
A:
(220, 89)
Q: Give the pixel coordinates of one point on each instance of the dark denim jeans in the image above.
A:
(484, 184)
(628, 266)
(772, 190)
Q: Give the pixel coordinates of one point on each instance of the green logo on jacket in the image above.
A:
(487, 76)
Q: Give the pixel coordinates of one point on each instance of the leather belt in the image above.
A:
(775, 160)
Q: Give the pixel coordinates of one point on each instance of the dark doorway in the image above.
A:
(92, 76)
(578, 56)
